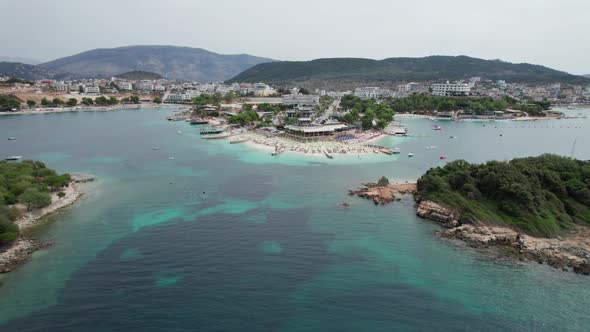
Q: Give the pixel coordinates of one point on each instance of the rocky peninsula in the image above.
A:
(20, 250)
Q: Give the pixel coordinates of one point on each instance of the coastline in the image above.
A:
(54, 110)
(20, 251)
(314, 149)
(568, 253)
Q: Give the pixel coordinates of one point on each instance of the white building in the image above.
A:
(123, 85)
(91, 90)
(144, 86)
(263, 90)
(159, 88)
(451, 89)
(60, 87)
(368, 92)
(301, 100)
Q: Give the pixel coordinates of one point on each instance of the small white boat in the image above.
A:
(396, 151)
(155, 148)
(179, 132)
(410, 155)
(238, 140)
(328, 154)
(13, 158)
(11, 138)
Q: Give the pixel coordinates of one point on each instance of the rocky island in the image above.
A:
(538, 208)
(382, 192)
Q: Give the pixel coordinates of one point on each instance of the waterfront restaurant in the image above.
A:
(314, 133)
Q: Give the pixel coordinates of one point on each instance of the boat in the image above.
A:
(13, 158)
(452, 137)
(238, 140)
(197, 121)
(207, 131)
(386, 151)
(11, 138)
(179, 132)
(443, 157)
(410, 155)
(436, 127)
(155, 148)
(222, 135)
(328, 154)
(395, 151)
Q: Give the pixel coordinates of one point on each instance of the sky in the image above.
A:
(547, 32)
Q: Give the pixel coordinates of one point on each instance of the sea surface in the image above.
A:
(211, 236)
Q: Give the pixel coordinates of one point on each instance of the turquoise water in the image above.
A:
(225, 237)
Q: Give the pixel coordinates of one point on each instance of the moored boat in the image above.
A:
(197, 121)
(329, 155)
(13, 158)
(436, 127)
(11, 138)
(238, 140)
(410, 155)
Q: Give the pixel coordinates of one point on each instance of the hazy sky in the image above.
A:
(548, 32)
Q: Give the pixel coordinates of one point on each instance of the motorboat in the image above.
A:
(410, 155)
(11, 138)
(13, 158)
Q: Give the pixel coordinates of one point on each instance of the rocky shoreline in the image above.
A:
(20, 250)
(381, 195)
(571, 253)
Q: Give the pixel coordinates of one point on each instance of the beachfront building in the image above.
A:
(301, 100)
(313, 133)
(91, 90)
(451, 89)
(302, 114)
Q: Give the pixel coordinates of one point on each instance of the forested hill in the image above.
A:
(542, 196)
(432, 68)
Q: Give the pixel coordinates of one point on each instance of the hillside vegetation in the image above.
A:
(31, 72)
(541, 196)
(432, 68)
(29, 183)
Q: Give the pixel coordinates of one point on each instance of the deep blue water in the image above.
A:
(225, 237)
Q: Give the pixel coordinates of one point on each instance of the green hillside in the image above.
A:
(432, 68)
(542, 196)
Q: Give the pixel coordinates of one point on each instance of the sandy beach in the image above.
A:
(352, 147)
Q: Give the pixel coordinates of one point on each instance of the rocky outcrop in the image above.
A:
(17, 253)
(383, 194)
(436, 212)
(570, 253)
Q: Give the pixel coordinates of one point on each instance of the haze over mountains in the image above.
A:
(431, 68)
(195, 64)
(172, 62)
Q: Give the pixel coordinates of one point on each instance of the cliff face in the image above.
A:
(571, 253)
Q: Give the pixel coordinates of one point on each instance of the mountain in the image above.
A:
(30, 72)
(183, 63)
(137, 75)
(27, 61)
(431, 68)
(588, 75)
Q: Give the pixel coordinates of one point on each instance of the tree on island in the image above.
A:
(31, 103)
(33, 198)
(87, 101)
(57, 101)
(45, 102)
(157, 100)
(383, 182)
(8, 230)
